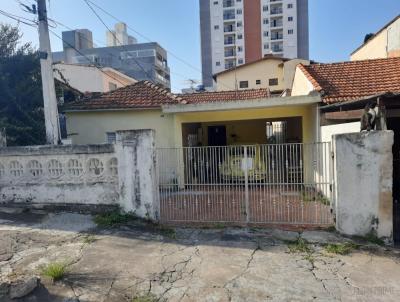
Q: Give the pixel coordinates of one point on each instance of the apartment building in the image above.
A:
(119, 36)
(141, 61)
(236, 32)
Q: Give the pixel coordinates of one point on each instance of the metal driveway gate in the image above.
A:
(278, 183)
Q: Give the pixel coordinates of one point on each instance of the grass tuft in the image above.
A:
(145, 298)
(55, 271)
(167, 232)
(299, 246)
(113, 219)
(89, 239)
(341, 248)
(373, 238)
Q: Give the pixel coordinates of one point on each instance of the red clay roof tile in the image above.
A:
(348, 81)
(146, 95)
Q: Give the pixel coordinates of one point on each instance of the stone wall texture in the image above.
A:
(363, 183)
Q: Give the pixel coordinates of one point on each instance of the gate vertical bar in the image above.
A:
(246, 184)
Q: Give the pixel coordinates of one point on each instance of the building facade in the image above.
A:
(141, 61)
(383, 44)
(86, 78)
(273, 73)
(235, 32)
(119, 36)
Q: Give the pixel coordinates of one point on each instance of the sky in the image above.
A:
(337, 27)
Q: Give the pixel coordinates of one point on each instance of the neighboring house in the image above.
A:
(207, 118)
(86, 78)
(238, 32)
(270, 72)
(384, 44)
(141, 61)
(346, 88)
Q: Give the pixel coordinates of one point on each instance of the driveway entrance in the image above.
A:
(261, 184)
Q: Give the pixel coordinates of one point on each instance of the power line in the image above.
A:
(115, 37)
(149, 40)
(85, 56)
(82, 54)
(109, 53)
(19, 18)
(143, 36)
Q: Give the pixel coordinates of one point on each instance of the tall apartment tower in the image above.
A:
(119, 36)
(235, 32)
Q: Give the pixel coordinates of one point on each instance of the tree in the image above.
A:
(21, 102)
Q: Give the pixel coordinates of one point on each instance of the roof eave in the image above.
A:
(111, 109)
(243, 104)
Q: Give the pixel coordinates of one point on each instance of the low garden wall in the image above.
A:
(111, 174)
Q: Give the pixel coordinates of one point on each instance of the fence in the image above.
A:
(278, 183)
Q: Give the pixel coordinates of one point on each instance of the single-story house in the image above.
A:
(206, 119)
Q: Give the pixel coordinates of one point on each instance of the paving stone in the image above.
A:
(23, 287)
(200, 265)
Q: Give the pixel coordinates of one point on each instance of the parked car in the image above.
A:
(236, 164)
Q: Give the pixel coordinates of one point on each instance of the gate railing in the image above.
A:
(278, 183)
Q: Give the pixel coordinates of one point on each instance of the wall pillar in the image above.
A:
(363, 183)
(138, 181)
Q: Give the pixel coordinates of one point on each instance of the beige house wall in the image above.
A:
(263, 70)
(90, 78)
(374, 49)
(301, 85)
(91, 127)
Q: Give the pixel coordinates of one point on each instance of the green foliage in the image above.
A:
(311, 196)
(88, 239)
(341, 248)
(299, 246)
(145, 298)
(167, 232)
(21, 104)
(113, 219)
(372, 237)
(55, 271)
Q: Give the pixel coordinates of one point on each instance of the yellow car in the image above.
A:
(235, 164)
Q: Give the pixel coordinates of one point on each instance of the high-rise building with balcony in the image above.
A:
(141, 61)
(235, 32)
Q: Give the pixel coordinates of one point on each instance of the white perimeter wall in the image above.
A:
(328, 131)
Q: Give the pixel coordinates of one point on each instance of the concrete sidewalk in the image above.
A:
(139, 262)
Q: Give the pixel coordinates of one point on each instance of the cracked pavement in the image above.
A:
(193, 265)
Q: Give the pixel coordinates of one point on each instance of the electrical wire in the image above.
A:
(115, 37)
(149, 40)
(20, 19)
(82, 54)
(109, 53)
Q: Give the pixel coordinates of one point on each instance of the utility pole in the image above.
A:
(46, 65)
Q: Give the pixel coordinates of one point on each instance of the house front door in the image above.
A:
(217, 136)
